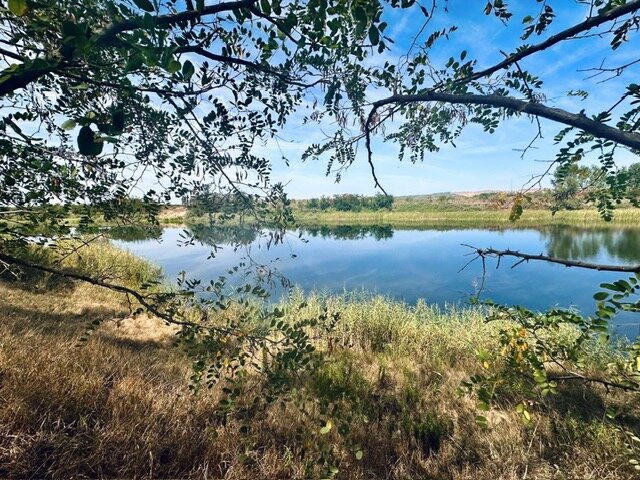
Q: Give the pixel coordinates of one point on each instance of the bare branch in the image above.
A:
(525, 257)
(115, 28)
(632, 387)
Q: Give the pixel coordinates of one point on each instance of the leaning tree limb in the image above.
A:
(524, 257)
(597, 129)
(142, 299)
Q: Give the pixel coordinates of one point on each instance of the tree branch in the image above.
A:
(246, 63)
(588, 24)
(10, 260)
(492, 252)
(115, 28)
(14, 80)
(598, 129)
(11, 80)
(632, 386)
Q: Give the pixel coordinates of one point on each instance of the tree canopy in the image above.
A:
(99, 95)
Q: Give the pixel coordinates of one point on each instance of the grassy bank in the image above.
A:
(408, 213)
(624, 218)
(120, 406)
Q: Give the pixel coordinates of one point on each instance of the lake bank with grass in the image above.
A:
(120, 405)
(409, 213)
(627, 218)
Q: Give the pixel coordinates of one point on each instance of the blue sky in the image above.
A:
(481, 161)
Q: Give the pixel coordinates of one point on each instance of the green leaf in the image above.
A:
(117, 120)
(374, 35)
(359, 455)
(18, 7)
(601, 296)
(188, 69)
(482, 421)
(327, 428)
(145, 5)
(134, 62)
(265, 6)
(9, 180)
(68, 125)
(360, 15)
(173, 66)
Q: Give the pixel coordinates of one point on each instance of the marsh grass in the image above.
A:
(627, 217)
(120, 405)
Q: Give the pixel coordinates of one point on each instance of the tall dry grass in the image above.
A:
(120, 407)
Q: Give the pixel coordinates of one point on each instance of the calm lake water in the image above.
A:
(408, 264)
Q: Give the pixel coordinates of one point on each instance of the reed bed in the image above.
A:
(624, 218)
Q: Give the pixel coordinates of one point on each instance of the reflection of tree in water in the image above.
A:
(351, 232)
(125, 233)
(247, 233)
(136, 233)
(225, 234)
(573, 243)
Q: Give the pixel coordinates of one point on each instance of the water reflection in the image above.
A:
(350, 232)
(578, 244)
(241, 234)
(248, 233)
(136, 233)
(561, 242)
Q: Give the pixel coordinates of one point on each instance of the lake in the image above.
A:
(406, 264)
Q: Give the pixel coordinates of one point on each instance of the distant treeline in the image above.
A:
(348, 203)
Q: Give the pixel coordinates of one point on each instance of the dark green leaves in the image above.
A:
(134, 62)
(188, 70)
(145, 5)
(374, 35)
(88, 142)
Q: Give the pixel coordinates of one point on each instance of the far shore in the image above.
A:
(531, 218)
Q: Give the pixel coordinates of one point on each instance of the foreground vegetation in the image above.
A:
(383, 403)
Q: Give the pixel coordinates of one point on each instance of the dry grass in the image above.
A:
(120, 406)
